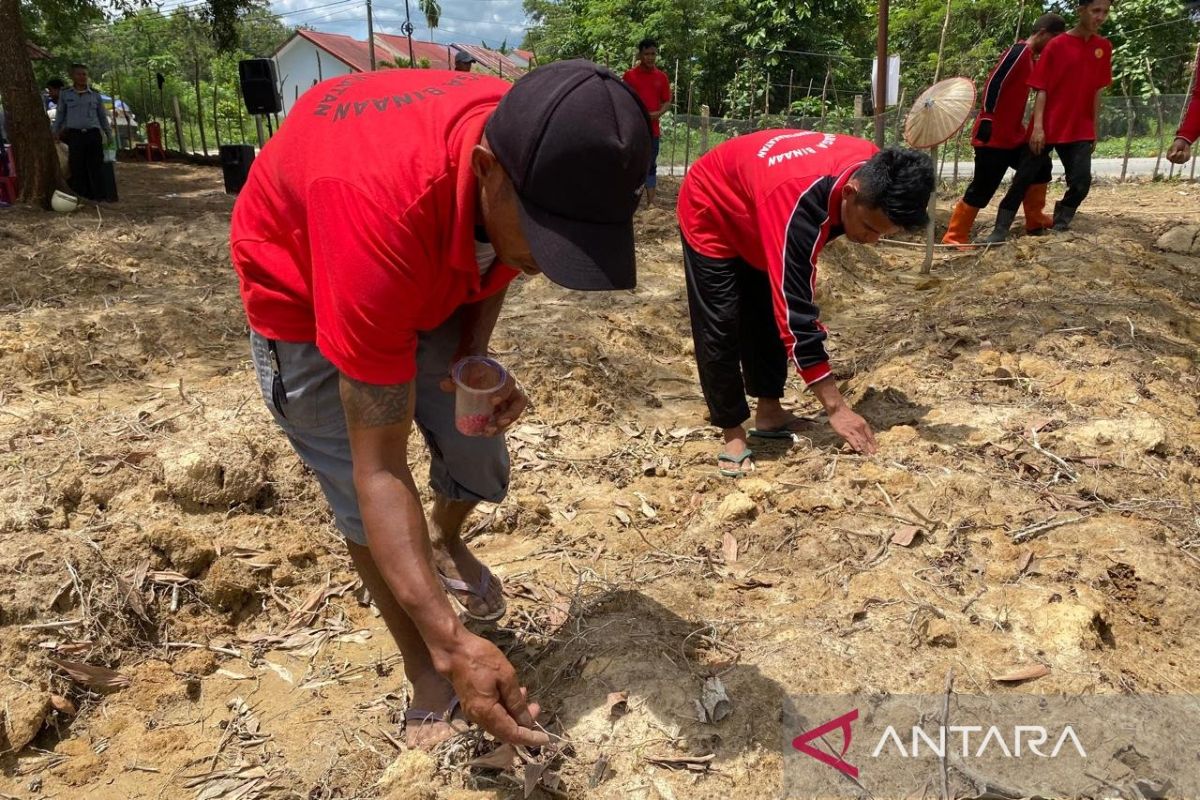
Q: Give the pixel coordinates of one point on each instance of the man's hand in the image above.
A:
(508, 403)
(490, 695)
(854, 429)
(1037, 141)
(1180, 152)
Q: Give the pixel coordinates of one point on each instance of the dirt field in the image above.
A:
(1036, 408)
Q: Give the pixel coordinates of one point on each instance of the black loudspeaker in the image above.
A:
(260, 87)
(235, 165)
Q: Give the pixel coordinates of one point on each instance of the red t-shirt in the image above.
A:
(1190, 129)
(774, 199)
(1070, 71)
(356, 227)
(652, 87)
(1004, 100)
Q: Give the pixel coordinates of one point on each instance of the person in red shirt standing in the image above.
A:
(999, 135)
(1180, 151)
(373, 242)
(653, 87)
(755, 213)
(1069, 78)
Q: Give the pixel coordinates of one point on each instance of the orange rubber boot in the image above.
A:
(961, 221)
(1036, 219)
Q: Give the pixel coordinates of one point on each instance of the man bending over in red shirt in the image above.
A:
(755, 213)
(374, 241)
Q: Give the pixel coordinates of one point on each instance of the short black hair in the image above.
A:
(898, 181)
(1086, 3)
(78, 66)
(1050, 23)
(646, 44)
(55, 83)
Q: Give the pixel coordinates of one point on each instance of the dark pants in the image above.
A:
(86, 161)
(990, 165)
(738, 349)
(1076, 158)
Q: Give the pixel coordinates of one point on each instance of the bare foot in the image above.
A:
(457, 561)
(772, 416)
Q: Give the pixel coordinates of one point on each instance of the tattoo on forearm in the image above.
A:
(371, 406)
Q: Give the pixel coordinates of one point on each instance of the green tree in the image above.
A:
(433, 14)
(724, 48)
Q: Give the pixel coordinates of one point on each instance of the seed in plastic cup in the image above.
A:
(476, 379)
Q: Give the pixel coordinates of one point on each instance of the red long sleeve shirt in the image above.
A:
(1004, 100)
(1190, 129)
(773, 199)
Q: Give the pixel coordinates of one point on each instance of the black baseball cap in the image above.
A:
(463, 57)
(575, 141)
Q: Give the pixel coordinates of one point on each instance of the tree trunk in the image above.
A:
(28, 126)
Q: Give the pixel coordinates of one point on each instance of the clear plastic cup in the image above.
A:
(476, 380)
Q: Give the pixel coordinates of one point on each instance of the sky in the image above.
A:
(467, 21)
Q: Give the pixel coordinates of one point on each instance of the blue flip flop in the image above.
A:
(725, 458)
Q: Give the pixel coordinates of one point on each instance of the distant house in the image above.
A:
(429, 55)
(309, 57)
(524, 58)
(491, 61)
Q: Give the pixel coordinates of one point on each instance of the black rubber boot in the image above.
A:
(1004, 221)
(1062, 217)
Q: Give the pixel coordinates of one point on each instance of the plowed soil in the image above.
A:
(1033, 503)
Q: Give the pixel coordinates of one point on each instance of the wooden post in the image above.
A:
(767, 95)
(931, 227)
(704, 120)
(199, 106)
(687, 130)
(824, 89)
(881, 74)
(858, 112)
(237, 87)
(1158, 105)
(216, 118)
(791, 76)
(957, 149)
(674, 120)
(1128, 129)
(900, 116)
(178, 123)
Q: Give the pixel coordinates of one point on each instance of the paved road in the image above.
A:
(1101, 167)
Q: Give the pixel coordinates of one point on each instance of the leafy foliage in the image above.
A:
(731, 52)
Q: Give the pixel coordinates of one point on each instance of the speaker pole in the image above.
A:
(371, 35)
(259, 127)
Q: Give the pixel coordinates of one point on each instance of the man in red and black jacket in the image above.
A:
(1069, 77)
(999, 135)
(755, 213)
(1181, 149)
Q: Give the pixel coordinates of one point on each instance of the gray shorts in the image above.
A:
(308, 407)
